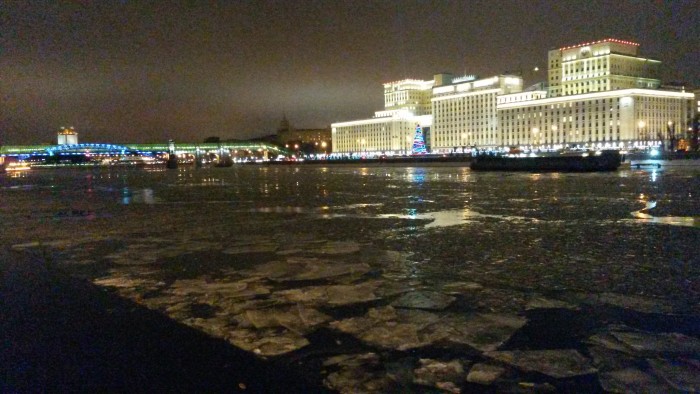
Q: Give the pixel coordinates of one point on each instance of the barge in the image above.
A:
(584, 162)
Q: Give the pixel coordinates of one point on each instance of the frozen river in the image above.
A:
(395, 279)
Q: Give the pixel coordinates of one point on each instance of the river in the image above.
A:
(400, 278)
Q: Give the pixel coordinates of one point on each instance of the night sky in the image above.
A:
(146, 71)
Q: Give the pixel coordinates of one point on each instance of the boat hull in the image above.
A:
(606, 161)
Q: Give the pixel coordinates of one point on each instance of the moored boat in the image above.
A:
(583, 162)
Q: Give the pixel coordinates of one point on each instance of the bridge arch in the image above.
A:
(110, 149)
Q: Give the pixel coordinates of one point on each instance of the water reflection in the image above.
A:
(140, 196)
(449, 218)
(18, 174)
(415, 175)
(279, 210)
(686, 221)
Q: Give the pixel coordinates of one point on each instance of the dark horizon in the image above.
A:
(133, 72)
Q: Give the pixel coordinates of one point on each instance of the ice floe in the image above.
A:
(404, 329)
(485, 374)
(557, 363)
(444, 375)
(423, 300)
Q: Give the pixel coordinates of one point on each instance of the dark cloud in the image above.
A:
(148, 71)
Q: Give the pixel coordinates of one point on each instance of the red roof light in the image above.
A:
(600, 42)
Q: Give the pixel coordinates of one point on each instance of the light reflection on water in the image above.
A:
(448, 218)
(642, 216)
(445, 196)
(139, 196)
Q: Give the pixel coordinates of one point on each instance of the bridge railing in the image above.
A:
(11, 150)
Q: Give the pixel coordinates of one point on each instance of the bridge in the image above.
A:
(242, 147)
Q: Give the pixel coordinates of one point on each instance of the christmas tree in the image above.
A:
(419, 142)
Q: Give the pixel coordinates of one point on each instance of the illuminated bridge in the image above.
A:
(246, 148)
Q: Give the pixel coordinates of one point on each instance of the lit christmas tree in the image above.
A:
(419, 142)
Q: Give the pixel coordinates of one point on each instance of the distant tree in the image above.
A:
(212, 140)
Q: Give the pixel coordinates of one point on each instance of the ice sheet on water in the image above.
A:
(548, 303)
(636, 303)
(404, 329)
(150, 250)
(645, 343)
(423, 300)
(299, 268)
(484, 331)
(336, 248)
(390, 328)
(201, 287)
(126, 282)
(357, 373)
(58, 243)
(296, 318)
(498, 300)
(558, 363)
(217, 326)
(266, 342)
(682, 374)
(267, 247)
(485, 374)
(631, 380)
(444, 375)
(606, 359)
(334, 295)
(456, 288)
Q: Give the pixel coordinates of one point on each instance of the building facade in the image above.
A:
(608, 64)
(598, 94)
(464, 112)
(601, 94)
(67, 136)
(407, 105)
(621, 119)
(384, 135)
(308, 140)
(408, 95)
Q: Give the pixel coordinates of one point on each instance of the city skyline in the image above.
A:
(128, 72)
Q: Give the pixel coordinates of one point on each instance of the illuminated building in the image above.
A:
(625, 118)
(599, 94)
(386, 135)
(391, 131)
(464, 112)
(67, 136)
(408, 95)
(608, 64)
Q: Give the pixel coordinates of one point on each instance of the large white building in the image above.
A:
(625, 118)
(391, 131)
(465, 112)
(599, 94)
